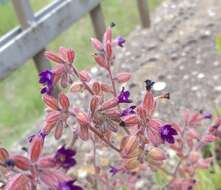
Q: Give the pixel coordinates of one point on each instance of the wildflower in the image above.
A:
(69, 185)
(46, 78)
(149, 84)
(128, 111)
(207, 115)
(167, 133)
(120, 41)
(124, 96)
(113, 170)
(64, 157)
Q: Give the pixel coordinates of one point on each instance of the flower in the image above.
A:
(46, 78)
(128, 111)
(124, 96)
(69, 185)
(64, 157)
(149, 84)
(207, 115)
(113, 170)
(167, 133)
(120, 41)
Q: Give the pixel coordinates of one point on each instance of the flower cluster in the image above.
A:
(141, 141)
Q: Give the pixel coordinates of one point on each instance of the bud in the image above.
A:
(53, 117)
(106, 88)
(129, 147)
(96, 44)
(58, 131)
(94, 104)
(131, 164)
(149, 103)
(21, 162)
(193, 134)
(77, 87)
(51, 102)
(100, 60)
(141, 112)
(47, 162)
(36, 147)
(123, 77)
(108, 49)
(63, 100)
(83, 119)
(131, 120)
(84, 133)
(204, 164)
(208, 139)
(96, 88)
(70, 54)
(53, 57)
(113, 114)
(108, 35)
(84, 76)
(194, 157)
(4, 155)
(109, 104)
(157, 154)
(19, 181)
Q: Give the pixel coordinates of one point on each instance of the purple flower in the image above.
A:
(113, 170)
(120, 41)
(149, 84)
(124, 96)
(64, 157)
(207, 115)
(128, 111)
(69, 185)
(167, 133)
(46, 78)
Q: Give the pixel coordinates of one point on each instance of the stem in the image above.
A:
(103, 139)
(94, 163)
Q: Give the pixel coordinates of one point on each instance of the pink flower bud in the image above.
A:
(194, 157)
(19, 181)
(63, 100)
(141, 112)
(106, 88)
(96, 44)
(21, 162)
(96, 87)
(83, 119)
(157, 154)
(36, 147)
(4, 155)
(100, 60)
(94, 104)
(77, 87)
(131, 164)
(53, 117)
(47, 128)
(84, 76)
(47, 162)
(114, 114)
(129, 147)
(51, 102)
(204, 164)
(84, 133)
(70, 54)
(130, 120)
(193, 134)
(58, 131)
(107, 35)
(154, 137)
(149, 103)
(53, 57)
(109, 104)
(208, 139)
(109, 49)
(123, 77)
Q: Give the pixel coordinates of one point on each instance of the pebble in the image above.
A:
(217, 88)
(200, 76)
(158, 86)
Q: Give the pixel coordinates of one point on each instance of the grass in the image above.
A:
(20, 100)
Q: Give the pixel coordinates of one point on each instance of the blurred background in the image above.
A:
(20, 100)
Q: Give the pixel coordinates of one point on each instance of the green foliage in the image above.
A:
(218, 43)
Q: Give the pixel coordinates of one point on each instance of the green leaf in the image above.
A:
(218, 43)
